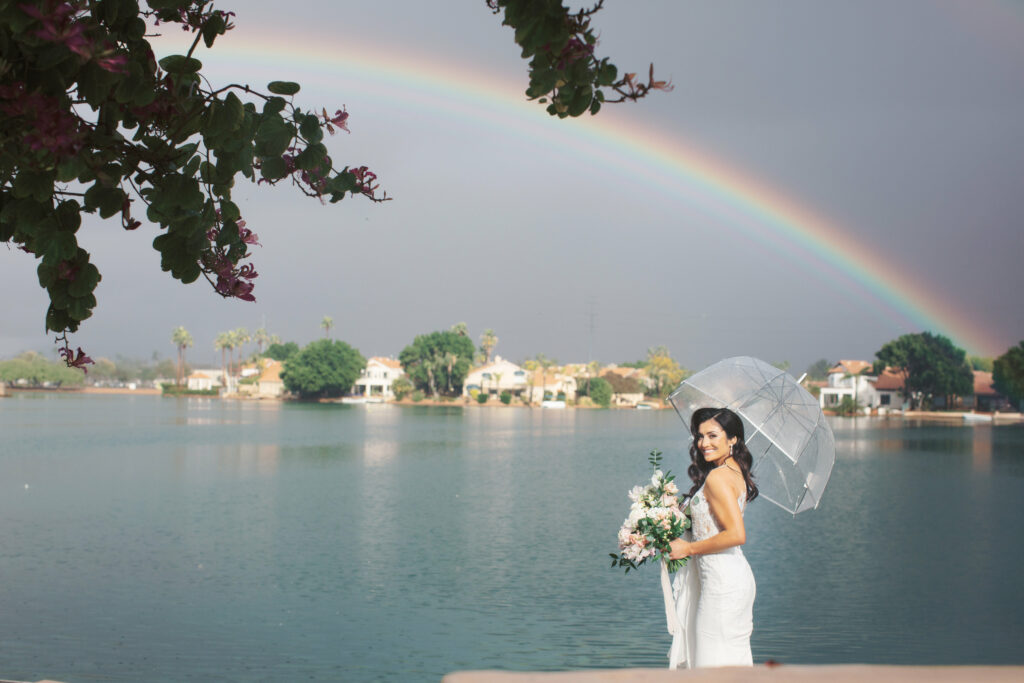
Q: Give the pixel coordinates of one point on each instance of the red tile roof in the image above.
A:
(889, 381)
(983, 384)
(851, 367)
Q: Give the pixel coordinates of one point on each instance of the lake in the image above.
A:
(144, 538)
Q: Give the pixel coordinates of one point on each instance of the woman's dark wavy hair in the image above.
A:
(733, 427)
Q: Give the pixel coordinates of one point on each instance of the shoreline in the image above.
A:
(949, 417)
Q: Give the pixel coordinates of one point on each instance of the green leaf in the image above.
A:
(283, 87)
(68, 215)
(309, 127)
(275, 105)
(229, 210)
(274, 136)
(180, 64)
(607, 74)
(311, 158)
(213, 27)
(62, 246)
(273, 168)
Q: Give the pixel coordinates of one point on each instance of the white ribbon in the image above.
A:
(681, 612)
(670, 602)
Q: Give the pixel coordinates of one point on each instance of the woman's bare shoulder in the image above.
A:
(725, 482)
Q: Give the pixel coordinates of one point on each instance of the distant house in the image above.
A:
(548, 385)
(270, 384)
(638, 375)
(495, 377)
(888, 389)
(986, 399)
(627, 389)
(856, 380)
(376, 378)
(203, 380)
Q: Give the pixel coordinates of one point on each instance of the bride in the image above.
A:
(723, 618)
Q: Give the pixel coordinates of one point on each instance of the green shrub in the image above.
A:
(417, 396)
(847, 407)
(183, 390)
(506, 397)
(601, 392)
(401, 387)
(481, 397)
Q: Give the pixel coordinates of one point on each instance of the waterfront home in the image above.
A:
(856, 380)
(888, 388)
(986, 398)
(376, 378)
(555, 384)
(627, 388)
(495, 377)
(204, 380)
(638, 375)
(270, 384)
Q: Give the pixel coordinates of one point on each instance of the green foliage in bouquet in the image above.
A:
(654, 521)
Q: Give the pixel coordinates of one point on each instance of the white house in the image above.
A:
(270, 384)
(377, 377)
(855, 379)
(204, 380)
(548, 385)
(495, 377)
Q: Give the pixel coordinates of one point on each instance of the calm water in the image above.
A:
(144, 538)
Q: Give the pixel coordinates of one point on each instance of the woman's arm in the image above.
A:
(722, 499)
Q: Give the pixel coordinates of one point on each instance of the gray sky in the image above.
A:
(899, 122)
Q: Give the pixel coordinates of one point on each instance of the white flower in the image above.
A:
(636, 492)
(656, 479)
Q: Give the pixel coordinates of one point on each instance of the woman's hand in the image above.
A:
(679, 549)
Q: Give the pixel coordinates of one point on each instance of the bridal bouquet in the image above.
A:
(654, 520)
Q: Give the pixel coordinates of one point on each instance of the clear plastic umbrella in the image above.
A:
(786, 432)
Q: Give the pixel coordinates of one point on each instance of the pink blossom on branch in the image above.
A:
(340, 119)
(71, 360)
(61, 23)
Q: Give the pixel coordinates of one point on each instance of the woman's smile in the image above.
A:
(713, 442)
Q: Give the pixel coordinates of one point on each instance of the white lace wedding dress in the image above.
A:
(714, 600)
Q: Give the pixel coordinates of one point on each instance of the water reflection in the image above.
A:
(981, 451)
(399, 543)
(205, 462)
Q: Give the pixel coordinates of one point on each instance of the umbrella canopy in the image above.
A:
(786, 432)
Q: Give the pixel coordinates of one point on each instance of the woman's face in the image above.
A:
(713, 442)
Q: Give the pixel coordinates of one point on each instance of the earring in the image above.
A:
(730, 450)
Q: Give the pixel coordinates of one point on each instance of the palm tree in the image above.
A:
(488, 340)
(327, 323)
(261, 337)
(432, 365)
(222, 342)
(230, 343)
(497, 381)
(182, 339)
(450, 358)
(530, 366)
(243, 337)
(545, 364)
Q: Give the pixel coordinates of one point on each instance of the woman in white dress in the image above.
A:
(722, 486)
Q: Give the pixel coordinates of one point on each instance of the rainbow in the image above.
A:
(677, 169)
